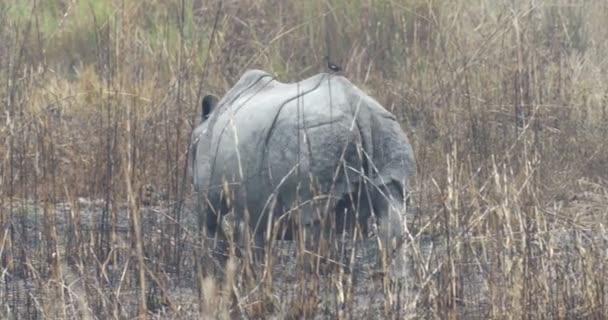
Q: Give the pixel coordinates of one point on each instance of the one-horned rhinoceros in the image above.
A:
(308, 152)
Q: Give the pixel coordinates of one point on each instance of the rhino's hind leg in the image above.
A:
(316, 237)
(318, 243)
(213, 250)
(394, 264)
(390, 211)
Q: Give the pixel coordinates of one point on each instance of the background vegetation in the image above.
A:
(505, 103)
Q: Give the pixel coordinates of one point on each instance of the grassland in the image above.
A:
(505, 103)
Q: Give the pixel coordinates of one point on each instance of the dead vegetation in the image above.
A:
(505, 104)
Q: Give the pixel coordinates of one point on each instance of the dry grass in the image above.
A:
(505, 104)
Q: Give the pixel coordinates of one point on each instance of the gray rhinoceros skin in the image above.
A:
(277, 146)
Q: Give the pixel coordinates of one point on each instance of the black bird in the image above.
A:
(332, 66)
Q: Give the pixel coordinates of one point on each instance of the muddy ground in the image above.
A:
(108, 289)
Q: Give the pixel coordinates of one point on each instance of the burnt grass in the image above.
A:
(81, 286)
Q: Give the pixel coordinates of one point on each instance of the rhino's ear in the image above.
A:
(209, 102)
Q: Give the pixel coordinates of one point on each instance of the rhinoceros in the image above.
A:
(307, 151)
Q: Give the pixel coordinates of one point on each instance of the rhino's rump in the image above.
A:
(315, 164)
(292, 159)
(290, 142)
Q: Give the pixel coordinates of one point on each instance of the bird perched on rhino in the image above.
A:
(333, 67)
